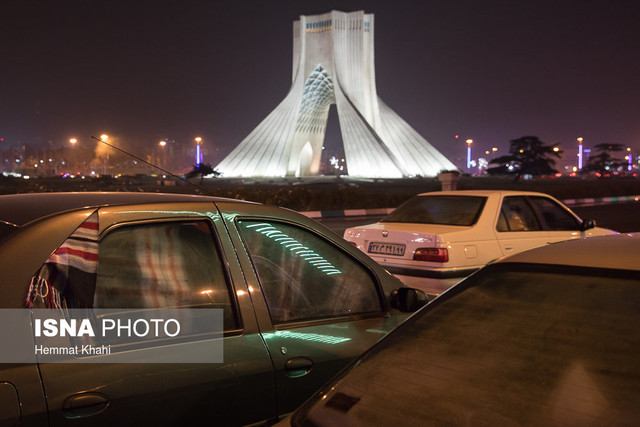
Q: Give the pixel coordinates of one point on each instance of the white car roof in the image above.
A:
(620, 251)
(484, 193)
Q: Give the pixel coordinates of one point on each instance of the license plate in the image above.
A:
(395, 249)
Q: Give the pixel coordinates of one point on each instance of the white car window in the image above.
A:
(553, 215)
(517, 215)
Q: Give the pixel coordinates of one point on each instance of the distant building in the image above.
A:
(333, 63)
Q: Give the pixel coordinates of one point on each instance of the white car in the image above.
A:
(434, 240)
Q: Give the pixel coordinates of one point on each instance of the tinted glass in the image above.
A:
(523, 346)
(554, 216)
(517, 215)
(162, 265)
(305, 277)
(444, 210)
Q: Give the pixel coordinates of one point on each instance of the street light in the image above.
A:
(198, 151)
(580, 152)
(105, 166)
(469, 142)
(163, 155)
(73, 141)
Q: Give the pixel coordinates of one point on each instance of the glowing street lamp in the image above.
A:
(163, 153)
(73, 141)
(629, 158)
(469, 142)
(105, 166)
(198, 151)
(580, 153)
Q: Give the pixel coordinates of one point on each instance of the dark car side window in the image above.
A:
(305, 277)
(160, 265)
(553, 215)
(517, 215)
(140, 266)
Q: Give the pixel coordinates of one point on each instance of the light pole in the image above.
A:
(580, 153)
(629, 158)
(72, 156)
(469, 142)
(163, 153)
(198, 151)
(105, 166)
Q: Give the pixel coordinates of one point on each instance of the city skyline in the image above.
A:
(151, 70)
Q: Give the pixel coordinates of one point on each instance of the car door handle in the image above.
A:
(84, 405)
(298, 367)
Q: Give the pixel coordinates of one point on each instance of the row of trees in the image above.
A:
(530, 156)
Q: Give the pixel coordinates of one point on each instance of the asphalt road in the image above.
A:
(622, 217)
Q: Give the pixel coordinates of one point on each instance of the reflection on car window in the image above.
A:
(516, 215)
(553, 215)
(305, 277)
(173, 264)
(142, 266)
(444, 210)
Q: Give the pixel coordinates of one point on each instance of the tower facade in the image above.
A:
(333, 63)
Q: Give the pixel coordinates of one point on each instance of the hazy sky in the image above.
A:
(489, 70)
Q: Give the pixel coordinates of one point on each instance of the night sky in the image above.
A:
(488, 70)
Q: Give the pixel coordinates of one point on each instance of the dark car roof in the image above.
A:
(20, 209)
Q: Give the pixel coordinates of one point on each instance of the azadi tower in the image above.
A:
(333, 64)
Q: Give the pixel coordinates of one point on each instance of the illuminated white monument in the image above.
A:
(333, 63)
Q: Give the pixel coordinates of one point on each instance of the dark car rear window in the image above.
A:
(443, 210)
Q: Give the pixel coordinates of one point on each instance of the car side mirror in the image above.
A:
(408, 299)
(587, 224)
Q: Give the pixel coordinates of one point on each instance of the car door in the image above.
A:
(322, 307)
(518, 227)
(167, 256)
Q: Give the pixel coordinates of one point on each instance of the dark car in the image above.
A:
(544, 337)
(296, 304)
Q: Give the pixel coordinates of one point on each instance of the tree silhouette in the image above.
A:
(527, 156)
(603, 161)
(202, 170)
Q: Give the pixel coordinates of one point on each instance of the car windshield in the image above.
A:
(443, 210)
(515, 345)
